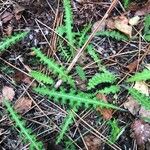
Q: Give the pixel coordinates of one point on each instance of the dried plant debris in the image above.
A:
(23, 105)
(8, 93)
(141, 132)
(132, 106)
(108, 77)
(92, 142)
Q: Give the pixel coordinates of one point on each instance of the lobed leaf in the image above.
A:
(73, 99)
(25, 132)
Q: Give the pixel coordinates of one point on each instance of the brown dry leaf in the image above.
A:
(110, 24)
(8, 93)
(92, 142)
(121, 24)
(132, 66)
(23, 104)
(132, 106)
(106, 113)
(141, 132)
(7, 16)
(18, 11)
(21, 77)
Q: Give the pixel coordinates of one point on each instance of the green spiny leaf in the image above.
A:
(126, 3)
(9, 41)
(26, 133)
(80, 72)
(98, 78)
(94, 55)
(115, 130)
(113, 34)
(73, 99)
(147, 28)
(69, 22)
(54, 66)
(83, 35)
(140, 76)
(112, 89)
(141, 98)
(67, 122)
(41, 77)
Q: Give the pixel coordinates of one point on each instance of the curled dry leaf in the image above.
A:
(132, 106)
(106, 113)
(23, 104)
(92, 142)
(8, 93)
(141, 132)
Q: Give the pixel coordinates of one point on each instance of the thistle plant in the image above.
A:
(9, 41)
(19, 123)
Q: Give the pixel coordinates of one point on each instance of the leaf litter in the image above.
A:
(123, 22)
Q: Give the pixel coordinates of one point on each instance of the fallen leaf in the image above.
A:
(8, 93)
(141, 132)
(120, 23)
(18, 11)
(101, 28)
(123, 19)
(21, 77)
(110, 24)
(141, 87)
(134, 20)
(132, 105)
(23, 104)
(106, 113)
(132, 66)
(144, 113)
(92, 142)
(7, 16)
(123, 27)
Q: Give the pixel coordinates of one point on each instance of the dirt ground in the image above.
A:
(90, 130)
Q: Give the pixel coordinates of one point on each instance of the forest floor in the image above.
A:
(92, 129)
